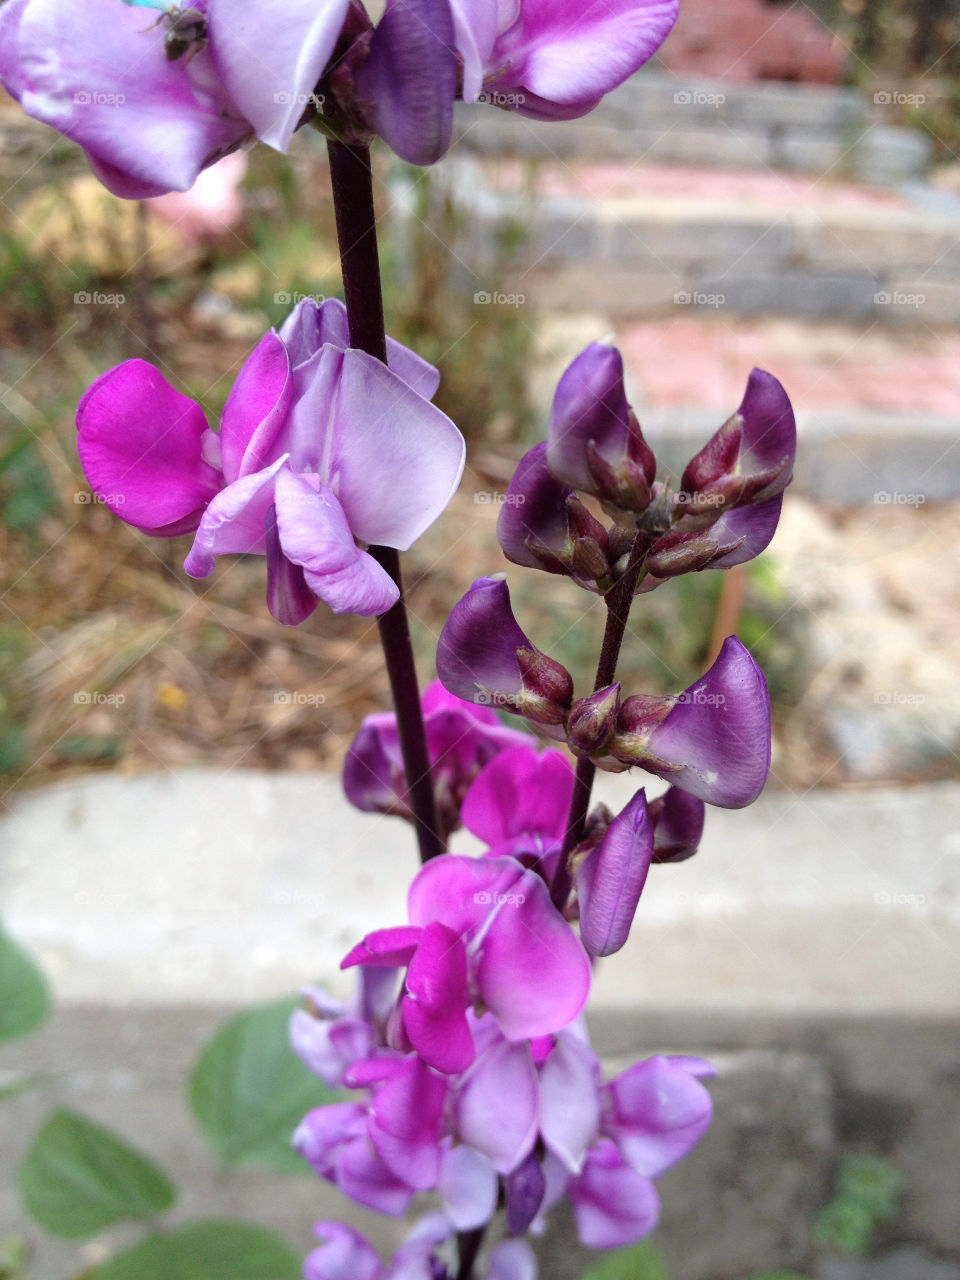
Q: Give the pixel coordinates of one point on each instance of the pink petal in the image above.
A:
(406, 1121)
(141, 447)
(468, 1187)
(396, 460)
(569, 1104)
(497, 1105)
(256, 408)
(344, 1255)
(234, 522)
(387, 948)
(612, 1205)
(434, 1010)
(656, 1111)
(520, 792)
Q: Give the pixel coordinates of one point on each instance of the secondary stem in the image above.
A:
(618, 611)
(352, 181)
(468, 1245)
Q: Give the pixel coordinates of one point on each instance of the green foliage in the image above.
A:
(641, 1261)
(249, 1090)
(78, 1177)
(216, 1250)
(867, 1193)
(24, 998)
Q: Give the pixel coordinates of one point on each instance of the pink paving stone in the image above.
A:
(694, 363)
(736, 187)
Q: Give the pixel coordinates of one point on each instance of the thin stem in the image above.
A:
(468, 1245)
(352, 182)
(618, 603)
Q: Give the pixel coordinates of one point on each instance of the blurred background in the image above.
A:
(780, 188)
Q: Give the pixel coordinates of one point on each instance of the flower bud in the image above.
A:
(610, 878)
(593, 721)
(677, 819)
(677, 552)
(595, 442)
(714, 741)
(484, 657)
(525, 1188)
(544, 525)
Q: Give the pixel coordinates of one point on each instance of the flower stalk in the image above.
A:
(351, 179)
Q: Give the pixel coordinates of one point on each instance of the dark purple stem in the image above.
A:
(618, 602)
(468, 1246)
(352, 181)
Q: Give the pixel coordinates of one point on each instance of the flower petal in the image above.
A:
(387, 948)
(468, 1187)
(569, 1107)
(656, 1112)
(520, 792)
(406, 1122)
(344, 1255)
(611, 877)
(255, 410)
(496, 1108)
(141, 447)
(234, 522)
(434, 1009)
(612, 1205)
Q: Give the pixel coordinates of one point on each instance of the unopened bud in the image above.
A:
(547, 687)
(593, 721)
(678, 552)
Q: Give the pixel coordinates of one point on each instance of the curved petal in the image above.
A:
(769, 426)
(289, 599)
(434, 1009)
(468, 1187)
(565, 51)
(372, 778)
(569, 1103)
(328, 1048)
(235, 522)
(656, 1112)
(755, 525)
(496, 1109)
(477, 652)
(406, 1122)
(387, 948)
(611, 877)
(396, 460)
(364, 587)
(612, 1205)
(269, 66)
(520, 792)
(149, 124)
(141, 447)
(256, 408)
(410, 79)
(512, 1260)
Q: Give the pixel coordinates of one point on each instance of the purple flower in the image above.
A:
(461, 740)
(544, 525)
(611, 876)
(657, 1111)
(553, 60)
(712, 740)
(519, 804)
(484, 657)
(320, 446)
(482, 930)
(678, 819)
(347, 1255)
(150, 122)
(329, 1036)
(595, 443)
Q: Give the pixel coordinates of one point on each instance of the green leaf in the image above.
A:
(24, 998)
(871, 1182)
(641, 1261)
(844, 1226)
(78, 1177)
(207, 1251)
(249, 1090)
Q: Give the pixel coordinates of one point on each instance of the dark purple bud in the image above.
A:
(750, 459)
(610, 879)
(641, 713)
(715, 741)
(525, 1188)
(595, 443)
(484, 657)
(746, 531)
(593, 721)
(543, 525)
(677, 552)
(677, 819)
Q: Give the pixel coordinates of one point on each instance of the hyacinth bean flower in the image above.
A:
(461, 739)
(345, 1254)
(475, 925)
(595, 443)
(610, 878)
(329, 1036)
(484, 657)
(555, 61)
(321, 447)
(678, 819)
(518, 804)
(712, 740)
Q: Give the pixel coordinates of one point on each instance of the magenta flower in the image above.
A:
(519, 804)
(150, 122)
(475, 925)
(320, 447)
(347, 1255)
(484, 657)
(330, 1036)
(712, 740)
(555, 61)
(461, 739)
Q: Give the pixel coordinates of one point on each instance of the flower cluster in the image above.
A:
(320, 448)
(154, 104)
